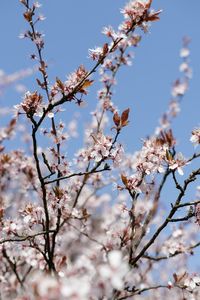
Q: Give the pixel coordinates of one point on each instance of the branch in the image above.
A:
(190, 179)
(188, 204)
(186, 218)
(24, 238)
(44, 198)
(138, 292)
(12, 266)
(178, 186)
(87, 235)
(158, 258)
(106, 168)
(47, 164)
(152, 212)
(26, 273)
(195, 155)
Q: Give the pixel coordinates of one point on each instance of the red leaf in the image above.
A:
(105, 49)
(124, 180)
(148, 4)
(153, 16)
(124, 117)
(60, 84)
(86, 84)
(116, 119)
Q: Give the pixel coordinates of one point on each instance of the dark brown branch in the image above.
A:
(26, 273)
(24, 238)
(151, 214)
(139, 292)
(178, 186)
(47, 164)
(44, 199)
(188, 204)
(106, 168)
(195, 155)
(190, 179)
(158, 258)
(13, 266)
(186, 218)
(42, 69)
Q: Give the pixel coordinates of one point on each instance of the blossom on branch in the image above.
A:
(195, 138)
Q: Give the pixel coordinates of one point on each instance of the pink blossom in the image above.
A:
(101, 147)
(191, 282)
(185, 52)
(110, 32)
(179, 88)
(195, 138)
(134, 10)
(197, 213)
(31, 103)
(96, 53)
(60, 89)
(177, 163)
(115, 270)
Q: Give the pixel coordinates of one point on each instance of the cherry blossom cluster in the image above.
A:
(155, 156)
(66, 88)
(188, 281)
(31, 103)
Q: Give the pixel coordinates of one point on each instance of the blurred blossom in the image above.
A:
(195, 138)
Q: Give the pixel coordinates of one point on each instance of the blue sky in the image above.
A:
(72, 27)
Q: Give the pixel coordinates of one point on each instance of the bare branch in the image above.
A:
(93, 171)
(140, 291)
(24, 238)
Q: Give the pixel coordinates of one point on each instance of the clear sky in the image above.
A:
(71, 27)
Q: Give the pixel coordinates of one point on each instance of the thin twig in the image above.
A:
(77, 174)
(24, 238)
(164, 257)
(139, 292)
(190, 179)
(12, 266)
(136, 242)
(88, 236)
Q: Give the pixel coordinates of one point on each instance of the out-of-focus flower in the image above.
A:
(177, 163)
(195, 138)
(115, 270)
(101, 147)
(192, 282)
(179, 88)
(197, 213)
(185, 52)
